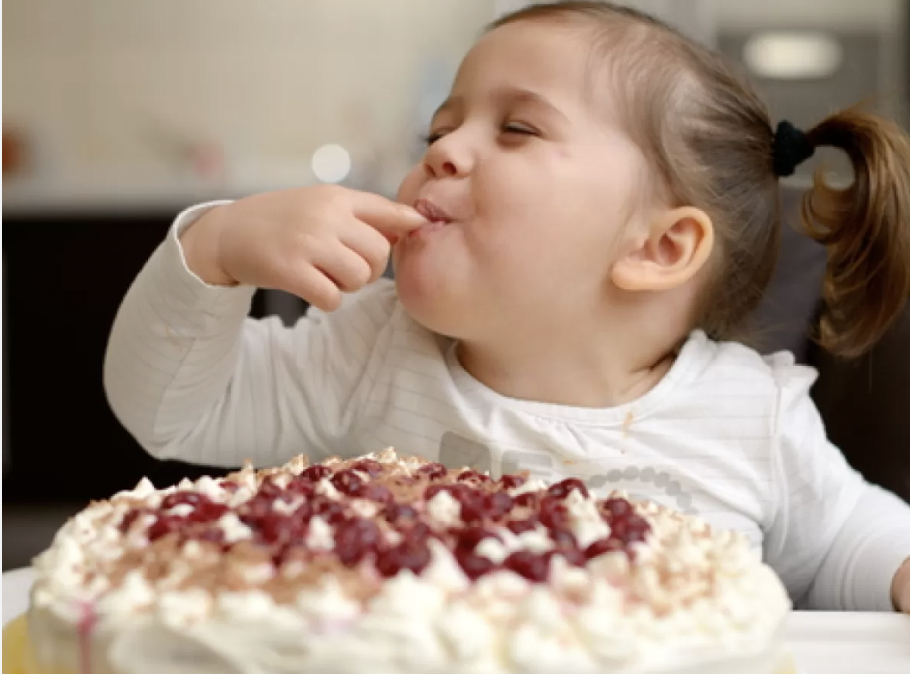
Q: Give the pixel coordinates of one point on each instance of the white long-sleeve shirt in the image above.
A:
(727, 434)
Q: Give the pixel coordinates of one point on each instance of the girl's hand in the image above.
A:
(313, 242)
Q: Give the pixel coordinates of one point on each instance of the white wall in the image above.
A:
(102, 83)
(98, 80)
(837, 14)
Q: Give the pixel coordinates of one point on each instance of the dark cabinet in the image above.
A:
(65, 276)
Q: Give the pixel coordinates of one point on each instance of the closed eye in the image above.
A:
(519, 129)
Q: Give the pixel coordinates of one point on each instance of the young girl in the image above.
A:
(597, 210)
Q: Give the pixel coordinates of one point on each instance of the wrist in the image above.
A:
(900, 588)
(199, 242)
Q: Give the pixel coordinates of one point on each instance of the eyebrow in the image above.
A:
(511, 95)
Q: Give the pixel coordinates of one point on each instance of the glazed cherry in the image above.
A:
(301, 487)
(210, 536)
(207, 512)
(497, 504)
(182, 498)
(553, 513)
(617, 507)
(331, 511)
(630, 529)
(434, 489)
(257, 507)
(603, 546)
(375, 492)
(354, 539)
(316, 473)
(574, 556)
(411, 554)
(468, 538)
(474, 566)
(563, 539)
(347, 481)
(473, 476)
(269, 489)
(276, 528)
(512, 481)
(532, 566)
(368, 466)
(434, 471)
(527, 500)
(473, 508)
(419, 531)
(399, 512)
(228, 485)
(164, 525)
(562, 489)
(521, 526)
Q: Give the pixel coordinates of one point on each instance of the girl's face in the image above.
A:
(531, 186)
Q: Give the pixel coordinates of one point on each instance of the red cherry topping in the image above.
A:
(177, 498)
(512, 481)
(375, 492)
(398, 512)
(347, 482)
(474, 566)
(529, 499)
(355, 539)
(368, 466)
(532, 566)
(553, 514)
(562, 489)
(468, 538)
(603, 546)
(617, 507)
(412, 554)
(521, 526)
(434, 471)
(316, 473)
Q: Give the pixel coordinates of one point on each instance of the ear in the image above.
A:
(677, 245)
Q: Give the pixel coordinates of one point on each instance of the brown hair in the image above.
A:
(710, 139)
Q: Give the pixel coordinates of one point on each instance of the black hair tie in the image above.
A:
(791, 148)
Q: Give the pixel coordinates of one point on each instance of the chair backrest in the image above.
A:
(866, 402)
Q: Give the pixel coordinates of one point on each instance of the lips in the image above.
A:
(432, 212)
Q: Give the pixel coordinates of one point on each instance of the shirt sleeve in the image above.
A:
(191, 377)
(836, 541)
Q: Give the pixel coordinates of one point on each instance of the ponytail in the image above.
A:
(865, 228)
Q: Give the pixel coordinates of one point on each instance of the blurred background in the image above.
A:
(117, 114)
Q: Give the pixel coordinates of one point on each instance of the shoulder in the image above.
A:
(770, 381)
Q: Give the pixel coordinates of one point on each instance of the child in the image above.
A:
(596, 212)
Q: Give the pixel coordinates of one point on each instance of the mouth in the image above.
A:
(432, 212)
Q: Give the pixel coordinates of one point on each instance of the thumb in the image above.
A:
(387, 216)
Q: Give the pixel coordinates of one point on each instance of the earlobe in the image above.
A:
(678, 245)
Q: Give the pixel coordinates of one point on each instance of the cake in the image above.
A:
(394, 565)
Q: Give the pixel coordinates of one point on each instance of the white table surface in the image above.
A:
(824, 643)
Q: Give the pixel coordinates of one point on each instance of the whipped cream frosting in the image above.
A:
(113, 597)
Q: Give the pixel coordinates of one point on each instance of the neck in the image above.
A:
(573, 367)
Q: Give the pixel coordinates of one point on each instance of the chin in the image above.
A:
(431, 303)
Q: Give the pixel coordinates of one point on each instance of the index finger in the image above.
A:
(387, 216)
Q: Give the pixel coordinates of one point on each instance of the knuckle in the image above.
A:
(364, 274)
(332, 300)
(326, 298)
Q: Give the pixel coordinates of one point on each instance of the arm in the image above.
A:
(192, 378)
(837, 541)
(900, 590)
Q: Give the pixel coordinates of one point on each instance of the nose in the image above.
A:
(448, 157)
